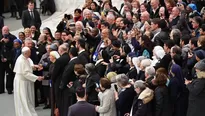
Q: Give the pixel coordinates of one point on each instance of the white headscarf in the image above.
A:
(55, 54)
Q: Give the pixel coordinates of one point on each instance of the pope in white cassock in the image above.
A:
(24, 85)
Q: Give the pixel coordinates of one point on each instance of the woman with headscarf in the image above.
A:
(177, 91)
(158, 54)
(49, 35)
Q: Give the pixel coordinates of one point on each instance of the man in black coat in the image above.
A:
(31, 17)
(6, 45)
(67, 96)
(82, 106)
(163, 35)
(93, 40)
(154, 12)
(58, 70)
(175, 13)
(82, 53)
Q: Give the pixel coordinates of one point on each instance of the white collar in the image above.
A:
(30, 10)
(81, 51)
(73, 58)
(98, 61)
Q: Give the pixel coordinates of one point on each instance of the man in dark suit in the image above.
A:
(81, 107)
(58, 71)
(67, 96)
(31, 17)
(82, 54)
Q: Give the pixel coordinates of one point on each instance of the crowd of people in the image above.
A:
(145, 59)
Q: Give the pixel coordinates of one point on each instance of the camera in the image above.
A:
(6, 36)
(68, 16)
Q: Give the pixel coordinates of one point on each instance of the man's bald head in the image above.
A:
(62, 49)
(5, 30)
(105, 33)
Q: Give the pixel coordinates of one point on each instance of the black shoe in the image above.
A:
(10, 92)
(41, 101)
(46, 107)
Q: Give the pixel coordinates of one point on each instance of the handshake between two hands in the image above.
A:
(40, 78)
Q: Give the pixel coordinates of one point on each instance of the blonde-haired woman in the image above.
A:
(27, 32)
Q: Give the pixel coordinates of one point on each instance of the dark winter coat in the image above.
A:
(196, 97)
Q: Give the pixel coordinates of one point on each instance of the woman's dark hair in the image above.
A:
(22, 33)
(145, 5)
(78, 10)
(148, 44)
(96, 5)
(79, 68)
(49, 32)
(105, 83)
(108, 1)
(161, 79)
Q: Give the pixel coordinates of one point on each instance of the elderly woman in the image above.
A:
(149, 77)
(53, 56)
(158, 54)
(197, 91)
(125, 98)
(144, 63)
(142, 104)
(107, 99)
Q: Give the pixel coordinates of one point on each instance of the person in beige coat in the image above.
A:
(107, 99)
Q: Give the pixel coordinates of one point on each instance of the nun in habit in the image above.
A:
(24, 84)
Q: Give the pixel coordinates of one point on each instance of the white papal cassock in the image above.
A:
(24, 87)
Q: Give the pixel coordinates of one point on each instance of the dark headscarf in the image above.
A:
(176, 72)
